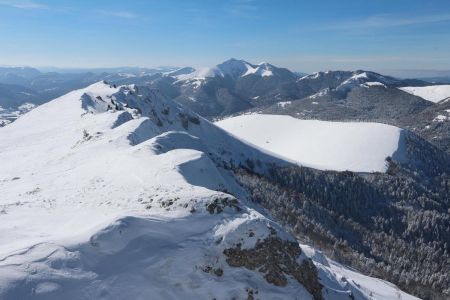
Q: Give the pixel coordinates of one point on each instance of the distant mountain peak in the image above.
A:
(180, 71)
(234, 68)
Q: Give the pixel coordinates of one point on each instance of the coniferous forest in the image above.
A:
(395, 226)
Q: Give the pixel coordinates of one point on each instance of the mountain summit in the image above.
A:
(235, 68)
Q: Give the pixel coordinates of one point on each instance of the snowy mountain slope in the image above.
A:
(359, 147)
(368, 103)
(116, 192)
(340, 84)
(86, 168)
(233, 86)
(343, 279)
(236, 85)
(23, 85)
(433, 123)
(433, 93)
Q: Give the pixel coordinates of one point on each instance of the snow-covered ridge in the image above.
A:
(367, 79)
(108, 183)
(359, 147)
(116, 192)
(433, 93)
(315, 75)
(350, 79)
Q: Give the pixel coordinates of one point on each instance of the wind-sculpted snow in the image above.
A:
(135, 258)
(119, 193)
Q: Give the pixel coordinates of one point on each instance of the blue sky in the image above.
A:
(301, 35)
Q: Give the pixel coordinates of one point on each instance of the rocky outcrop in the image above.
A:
(277, 258)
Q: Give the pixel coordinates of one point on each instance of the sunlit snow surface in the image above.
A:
(433, 93)
(353, 146)
(81, 209)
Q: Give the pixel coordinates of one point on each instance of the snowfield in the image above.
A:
(119, 193)
(340, 146)
(433, 93)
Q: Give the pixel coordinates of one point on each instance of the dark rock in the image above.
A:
(219, 204)
(277, 258)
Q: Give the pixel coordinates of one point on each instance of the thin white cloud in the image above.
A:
(383, 21)
(120, 14)
(23, 4)
(29, 4)
(242, 9)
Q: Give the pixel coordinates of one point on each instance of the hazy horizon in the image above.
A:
(299, 35)
(401, 73)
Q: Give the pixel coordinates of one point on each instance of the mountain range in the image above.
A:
(242, 180)
(236, 86)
